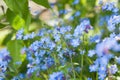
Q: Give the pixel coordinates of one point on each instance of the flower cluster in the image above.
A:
(110, 6)
(63, 48)
(4, 60)
(104, 54)
(57, 76)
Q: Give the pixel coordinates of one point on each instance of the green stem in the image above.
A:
(82, 60)
(81, 65)
(70, 57)
(96, 76)
(72, 67)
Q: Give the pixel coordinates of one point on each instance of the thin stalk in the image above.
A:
(82, 60)
(70, 58)
(81, 65)
(96, 76)
(72, 67)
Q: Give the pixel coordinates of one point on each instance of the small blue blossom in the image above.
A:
(113, 69)
(49, 62)
(63, 12)
(89, 78)
(113, 21)
(77, 69)
(57, 37)
(117, 60)
(95, 38)
(75, 42)
(77, 13)
(101, 76)
(34, 46)
(110, 6)
(104, 60)
(58, 48)
(82, 52)
(57, 76)
(19, 34)
(32, 35)
(100, 2)
(63, 30)
(75, 2)
(91, 53)
(93, 68)
(26, 37)
(1, 78)
(41, 32)
(83, 27)
(104, 47)
(68, 36)
(16, 78)
(51, 45)
(71, 18)
(19, 77)
(4, 61)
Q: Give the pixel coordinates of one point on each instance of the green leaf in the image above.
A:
(2, 25)
(10, 16)
(19, 8)
(44, 3)
(15, 20)
(16, 6)
(7, 38)
(23, 67)
(14, 48)
(18, 23)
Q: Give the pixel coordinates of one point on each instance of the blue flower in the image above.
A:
(91, 53)
(75, 42)
(71, 18)
(42, 32)
(104, 47)
(89, 78)
(51, 45)
(68, 36)
(63, 30)
(57, 76)
(77, 69)
(1, 78)
(77, 13)
(113, 69)
(19, 77)
(75, 2)
(16, 78)
(32, 35)
(113, 21)
(63, 12)
(83, 27)
(34, 46)
(56, 37)
(118, 60)
(19, 34)
(58, 48)
(49, 62)
(102, 71)
(110, 6)
(103, 60)
(101, 76)
(82, 52)
(41, 53)
(93, 68)
(26, 37)
(95, 38)
(4, 61)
